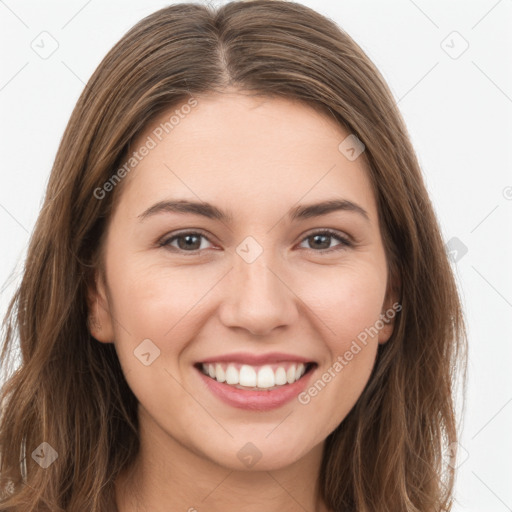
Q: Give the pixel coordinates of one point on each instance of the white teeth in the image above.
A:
(219, 373)
(232, 375)
(299, 372)
(247, 376)
(280, 376)
(264, 377)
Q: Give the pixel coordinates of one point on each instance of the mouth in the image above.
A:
(250, 377)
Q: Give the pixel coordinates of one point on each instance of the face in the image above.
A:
(253, 283)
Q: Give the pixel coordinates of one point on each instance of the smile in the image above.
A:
(256, 377)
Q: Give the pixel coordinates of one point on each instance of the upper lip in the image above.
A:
(256, 359)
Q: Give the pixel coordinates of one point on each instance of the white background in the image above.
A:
(458, 112)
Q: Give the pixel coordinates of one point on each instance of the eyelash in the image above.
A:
(344, 242)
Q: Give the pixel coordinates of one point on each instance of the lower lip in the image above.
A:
(256, 400)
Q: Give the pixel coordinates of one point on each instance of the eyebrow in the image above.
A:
(210, 211)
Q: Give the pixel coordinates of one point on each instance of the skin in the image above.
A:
(257, 158)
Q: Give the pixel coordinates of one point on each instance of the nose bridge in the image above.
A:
(257, 297)
(256, 278)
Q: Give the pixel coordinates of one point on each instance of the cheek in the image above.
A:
(335, 389)
(155, 302)
(163, 306)
(348, 301)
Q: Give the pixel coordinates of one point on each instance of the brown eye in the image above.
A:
(321, 241)
(187, 242)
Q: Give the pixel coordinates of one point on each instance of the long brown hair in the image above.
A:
(70, 392)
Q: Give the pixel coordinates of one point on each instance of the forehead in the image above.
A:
(233, 147)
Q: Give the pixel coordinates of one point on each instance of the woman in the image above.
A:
(236, 294)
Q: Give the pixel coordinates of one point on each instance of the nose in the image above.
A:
(257, 298)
